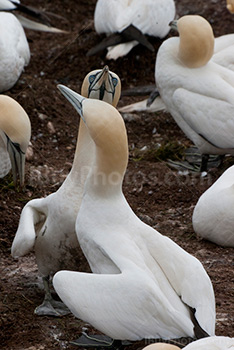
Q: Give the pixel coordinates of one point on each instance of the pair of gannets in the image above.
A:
(14, 48)
(127, 21)
(213, 216)
(15, 133)
(47, 225)
(210, 343)
(143, 284)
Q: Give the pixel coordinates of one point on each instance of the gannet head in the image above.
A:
(161, 346)
(196, 40)
(102, 84)
(230, 6)
(105, 125)
(16, 126)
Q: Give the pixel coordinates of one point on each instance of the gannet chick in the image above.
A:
(47, 225)
(15, 133)
(196, 91)
(209, 343)
(126, 22)
(230, 6)
(143, 284)
(213, 216)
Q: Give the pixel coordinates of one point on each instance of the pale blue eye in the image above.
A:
(92, 78)
(114, 81)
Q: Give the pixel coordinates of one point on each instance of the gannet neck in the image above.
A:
(102, 84)
(14, 122)
(196, 41)
(107, 129)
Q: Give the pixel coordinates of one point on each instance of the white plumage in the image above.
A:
(151, 17)
(213, 216)
(210, 343)
(47, 225)
(142, 283)
(14, 50)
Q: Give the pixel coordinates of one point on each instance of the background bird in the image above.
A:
(15, 133)
(126, 22)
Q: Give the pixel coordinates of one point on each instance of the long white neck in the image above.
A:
(83, 158)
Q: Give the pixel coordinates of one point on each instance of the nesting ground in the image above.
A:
(159, 195)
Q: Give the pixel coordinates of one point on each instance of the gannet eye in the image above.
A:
(114, 81)
(92, 78)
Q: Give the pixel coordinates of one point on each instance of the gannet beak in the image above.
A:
(173, 25)
(74, 98)
(17, 157)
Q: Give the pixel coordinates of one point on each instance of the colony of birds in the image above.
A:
(143, 285)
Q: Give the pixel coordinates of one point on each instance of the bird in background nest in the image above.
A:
(186, 76)
(127, 22)
(14, 48)
(15, 133)
(47, 225)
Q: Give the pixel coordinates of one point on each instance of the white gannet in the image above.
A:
(47, 225)
(223, 55)
(209, 343)
(213, 216)
(196, 91)
(143, 284)
(15, 133)
(230, 6)
(14, 48)
(127, 21)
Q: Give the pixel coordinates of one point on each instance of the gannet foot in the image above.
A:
(52, 308)
(99, 341)
(195, 162)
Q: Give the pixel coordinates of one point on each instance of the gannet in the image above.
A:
(213, 217)
(210, 343)
(14, 48)
(15, 133)
(230, 6)
(143, 284)
(47, 225)
(223, 55)
(127, 21)
(196, 91)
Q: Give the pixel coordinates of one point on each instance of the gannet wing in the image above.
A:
(140, 106)
(186, 275)
(29, 24)
(123, 306)
(210, 117)
(31, 216)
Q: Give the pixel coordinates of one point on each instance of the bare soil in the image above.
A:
(160, 196)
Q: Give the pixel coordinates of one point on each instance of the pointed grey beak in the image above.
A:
(17, 158)
(173, 25)
(74, 98)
